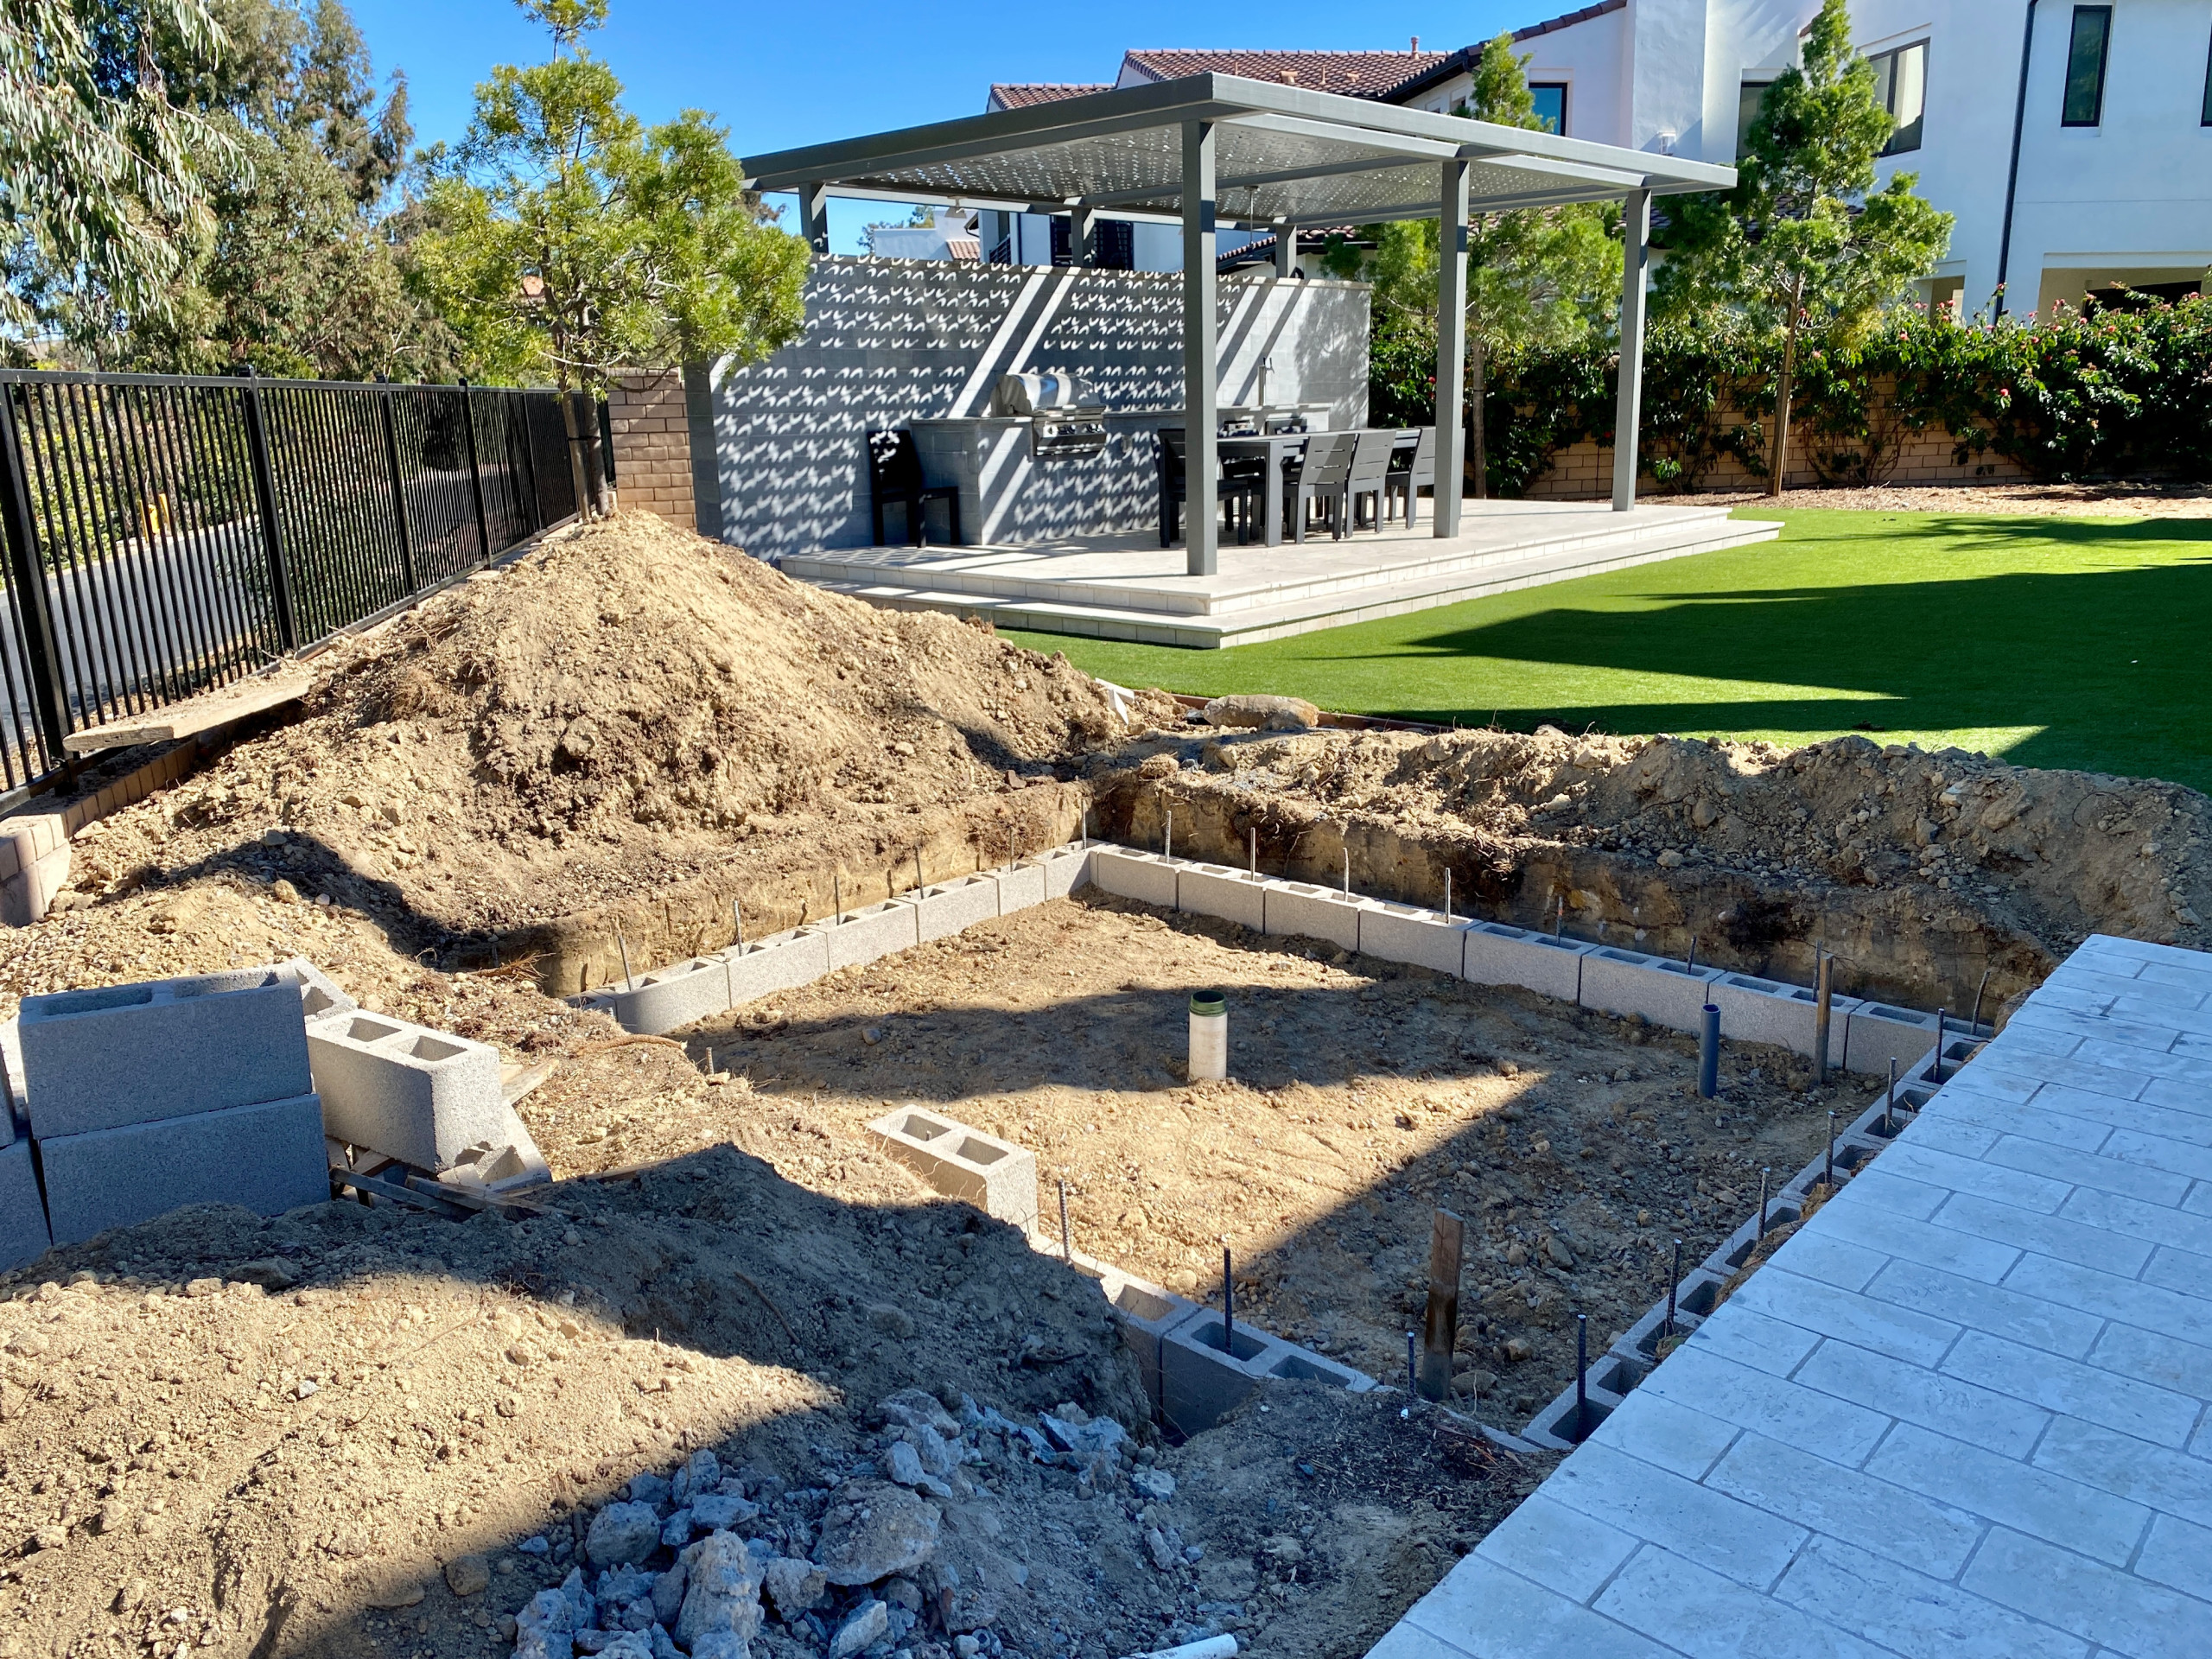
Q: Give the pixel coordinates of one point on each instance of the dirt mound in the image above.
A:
(1920, 869)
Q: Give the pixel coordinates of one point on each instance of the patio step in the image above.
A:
(1423, 588)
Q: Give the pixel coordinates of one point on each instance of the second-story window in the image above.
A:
(2085, 67)
(1747, 109)
(1901, 82)
(1550, 98)
(2208, 91)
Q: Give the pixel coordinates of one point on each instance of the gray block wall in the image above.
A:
(888, 341)
(269, 1157)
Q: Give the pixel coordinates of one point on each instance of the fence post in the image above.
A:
(530, 461)
(27, 575)
(475, 471)
(398, 485)
(264, 497)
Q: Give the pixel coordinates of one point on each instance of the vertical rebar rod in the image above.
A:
(1067, 1238)
(1889, 1101)
(1447, 897)
(737, 922)
(1674, 1284)
(1937, 1074)
(1347, 871)
(1692, 964)
(919, 885)
(1558, 927)
(1974, 1021)
(1255, 852)
(629, 980)
(1581, 1377)
(1413, 1370)
(1086, 829)
(1167, 842)
(1765, 1175)
(1228, 1304)
(837, 894)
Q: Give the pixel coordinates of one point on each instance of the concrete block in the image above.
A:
(505, 1163)
(1066, 868)
(1755, 1010)
(997, 1176)
(951, 905)
(1665, 992)
(267, 1157)
(1877, 1034)
(13, 1102)
(862, 935)
(1145, 1313)
(1216, 890)
(1206, 1378)
(668, 997)
(319, 998)
(421, 1096)
(1303, 910)
(1146, 877)
(99, 1059)
(23, 1236)
(1499, 955)
(782, 962)
(1409, 933)
(35, 865)
(1019, 886)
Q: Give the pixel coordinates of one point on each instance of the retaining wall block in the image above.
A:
(862, 935)
(422, 1095)
(782, 962)
(1149, 878)
(1554, 1427)
(319, 998)
(951, 905)
(1145, 1313)
(997, 1176)
(667, 997)
(23, 1236)
(1065, 868)
(1020, 886)
(507, 1162)
(1499, 955)
(267, 1157)
(1877, 1034)
(1409, 933)
(1205, 1382)
(1665, 992)
(99, 1059)
(1302, 909)
(1216, 890)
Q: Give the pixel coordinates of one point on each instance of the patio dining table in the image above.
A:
(1274, 451)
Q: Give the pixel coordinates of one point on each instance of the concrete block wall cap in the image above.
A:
(1410, 933)
(268, 1157)
(422, 1095)
(1306, 909)
(101, 1059)
(874, 931)
(1149, 878)
(997, 1177)
(23, 1236)
(1216, 890)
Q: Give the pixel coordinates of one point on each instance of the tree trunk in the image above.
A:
(1778, 453)
(576, 478)
(1480, 446)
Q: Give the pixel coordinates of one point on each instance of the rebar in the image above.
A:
(1347, 871)
(1559, 928)
(1447, 897)
(1765, 1175)
(1067, 1240)
(919, 884)
(1692, 964)
(629, 980)
(1413, 1371)
(1889, 1101)
(1674, 1284)
(1973, 1024)
(1255, 852)
(1086, 829)
(1823, 1008)
(1228, 1304)
(1937, 1073)
(837, 895)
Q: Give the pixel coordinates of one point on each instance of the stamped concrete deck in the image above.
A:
(1960, 1414)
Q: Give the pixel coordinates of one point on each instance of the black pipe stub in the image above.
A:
(1209, 1003)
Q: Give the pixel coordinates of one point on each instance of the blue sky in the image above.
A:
(793, 73)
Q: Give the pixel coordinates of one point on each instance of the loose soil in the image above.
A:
(2138, 499)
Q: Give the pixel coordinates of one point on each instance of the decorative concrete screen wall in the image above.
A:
(889, 342)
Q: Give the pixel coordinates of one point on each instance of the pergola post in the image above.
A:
(1083, 236)
(1286, 252)
(1451, 347)
(1636, 255)
(1202, 505)
(814, 216)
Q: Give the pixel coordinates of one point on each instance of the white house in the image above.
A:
(2073, 143)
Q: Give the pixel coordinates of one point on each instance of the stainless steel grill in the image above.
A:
(1065, 417)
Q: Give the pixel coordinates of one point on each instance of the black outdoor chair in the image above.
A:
(1370, 470)
(894, 474)
(1411, 466)
(1319, 480)
(1238, 490)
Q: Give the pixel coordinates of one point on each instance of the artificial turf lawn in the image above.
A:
(2053, 642)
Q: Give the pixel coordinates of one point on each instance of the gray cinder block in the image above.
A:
(505, 1163)
(705, 986)
(1146, 877)
(23, 1236)
(1299, 908)
(1066, 868)
(1216, 890)
(1020, 886)
(1877, 1034)
(782, 962)
(1409, 933)
(421, 1096)
(1663, 991)
(862, 935)
(1145, 1313)
(1204, 1379)
(98, 1059)
(269, 1157)
(997, 1176)
(951, 905)
(1755, 1010)
(1498, 955)
(319, 998)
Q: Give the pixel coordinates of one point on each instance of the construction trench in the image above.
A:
(735, 1312)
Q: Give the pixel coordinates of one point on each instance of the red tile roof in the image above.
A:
(1028, 94)
(1360, 74)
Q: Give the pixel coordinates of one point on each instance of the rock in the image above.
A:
(903, 1594)
(938, 1456)
(622, 1532)
(675, 1531)
(702, 1472)
(628, 1644)
(721, 1644)
(468, 1575)
(204, 1288)
(1163, 1553)
(721, 1591)
(718, 1512)
(545, 1629)
(403, 1593)
(791, 1585)
(1473, 1383)
(267, 1271)
(913, 1408)
(1156, 1483)
(1555, 1249)
(1671, 860)
(1516, 1254)
(869, 1624)
(1247, 710)
(1094, 1435)
(890, 1321)
(903, 1464)
(966, 1646)
(648, 1488)
(1517, 1349)
(873, 1530)
(668, 1593)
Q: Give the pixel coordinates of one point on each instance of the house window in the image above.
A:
(1550, 97)
(1901, 81)
(2208, 91)
(2085, 67)
(1747, 109)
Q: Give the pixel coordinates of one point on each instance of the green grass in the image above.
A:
(2053, 642)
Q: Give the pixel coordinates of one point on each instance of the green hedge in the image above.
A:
(2112, 394)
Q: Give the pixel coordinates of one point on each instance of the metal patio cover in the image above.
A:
(1208, 150)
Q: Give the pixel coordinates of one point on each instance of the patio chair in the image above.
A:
(1371, 468)
(1411, 467)
(894, 474)
(1238, 489)
(1319, 480)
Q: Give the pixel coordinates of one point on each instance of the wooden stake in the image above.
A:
(1440, 1323)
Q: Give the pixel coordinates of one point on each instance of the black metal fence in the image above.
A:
(169, 534)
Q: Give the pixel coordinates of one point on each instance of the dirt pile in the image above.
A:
(1921, 870)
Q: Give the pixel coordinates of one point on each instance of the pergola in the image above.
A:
(1210, 150)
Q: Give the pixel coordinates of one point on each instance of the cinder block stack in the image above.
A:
(23, 1236)
(145, 1097)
